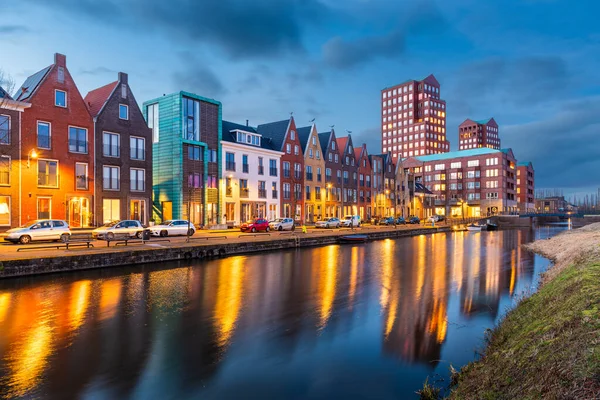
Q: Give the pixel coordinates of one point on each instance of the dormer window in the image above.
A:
(248, 138)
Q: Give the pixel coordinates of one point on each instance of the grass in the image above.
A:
(547, 347)
(429, 391)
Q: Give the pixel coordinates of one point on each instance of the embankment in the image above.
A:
(549, 345)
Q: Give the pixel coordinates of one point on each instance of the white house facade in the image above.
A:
(251, 175)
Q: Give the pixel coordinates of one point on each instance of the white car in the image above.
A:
(172, 228)
(41, 229)
(351, 220)
(110, 229)
(329, 223)
(282, 224)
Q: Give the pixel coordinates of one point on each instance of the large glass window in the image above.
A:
(229, 161)
(191, 115)
(153, 123)
(111, 179)
(48, 173)
(138, 179)
(4, 170)
(78, 140)
(138, 148)
(81, 176)
(43, 135)
(4, 210)
(273, 167)
(111, 145)
(194, 153)
(4, 129)
(111, 210)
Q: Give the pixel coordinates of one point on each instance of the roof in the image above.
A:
(96, 99)
(357, 152)
(227, 126)
(303, 135)
(4, 94)
(525, 164)
(457, 154)
(324, 139)
(276, 131)
(31, 84)
(419, 188)
(341, 143)
(483, 121)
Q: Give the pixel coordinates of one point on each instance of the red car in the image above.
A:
(259, 224)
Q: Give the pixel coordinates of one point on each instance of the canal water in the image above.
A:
(354, 321)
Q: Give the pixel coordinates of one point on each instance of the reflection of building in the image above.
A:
(314, 176)
(58, 129)
(475, 134)
(186, 156)
(123, 154)
(250, 184)
(526, 187)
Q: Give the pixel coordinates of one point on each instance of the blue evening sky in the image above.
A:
(531, 64)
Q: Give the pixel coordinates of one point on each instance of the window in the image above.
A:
(81, 176)
(123, 111)
(4, 210)
(473, 163)
(212, 155)
(308, 193)
(4, 129)
(314, 141)
(194, 181)
(195, 153)
(297, 171)
(244, 191)
(44, 208)
(47, 173)
(274, 190)
(455, 164)
(229, 161)
(286, 191)
(228, 187)
(60, 98)
(439, 167)
(288, 148)
(310, 153)
(111, 178)
(272, 167)
(292, 135)
(191, 115)
(78, 140)
(298, 191)
(152, 113)
(111, 210)
(124, 91)
(4, 170)
(111, 145)
(262, 189)
(60, 75)
(43, 135)
(318, 154)
(309, 173)
(245, 166)
(286, 169)
(491, 195)
(318, 174)
(138, 179)
(296, 150)
(332, 145)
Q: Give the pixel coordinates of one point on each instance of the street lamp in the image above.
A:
(32, 154)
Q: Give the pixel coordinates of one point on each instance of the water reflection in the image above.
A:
(213, 328)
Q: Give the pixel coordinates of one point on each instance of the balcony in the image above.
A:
(346, 181)
(230, 166)
(327, 178)
(229, 191)
(309, 176)
(78, 146)
(297, 195)
(111, 150)
(318, 196)
(244, 193)
(137, 154)
(245, 168)
(286, 173)
(308, 196)
(273, 171)
(318, 177)
(274, 195)
(262, 193)
(261, 170)
(286, 195)
(49, 180)
(297, 175)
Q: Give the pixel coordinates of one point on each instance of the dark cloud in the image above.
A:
(198, 78)
(98, 71)
(564, 148)
(371, 137)
(341, 53)
(241, 29)
(13, 29)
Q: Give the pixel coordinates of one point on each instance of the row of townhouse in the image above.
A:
(85, 160)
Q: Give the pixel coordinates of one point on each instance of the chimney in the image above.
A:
(60, 60)
(246, 122)
(123, 77)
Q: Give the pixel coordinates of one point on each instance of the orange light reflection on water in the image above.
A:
(230, 293)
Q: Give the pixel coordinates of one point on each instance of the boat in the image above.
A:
(492, 227)
(353, 238)
(474, 227)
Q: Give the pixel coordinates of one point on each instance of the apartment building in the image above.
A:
(349, 172)
(186, 157)
(314, 177)
(251, 175)
(333, 174)
(526, 187)
(475, 134)
(365, 190)
(123, 173)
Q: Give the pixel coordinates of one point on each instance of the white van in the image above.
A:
(351, 220)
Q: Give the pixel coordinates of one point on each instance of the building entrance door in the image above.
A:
(137, 210)
(79, 208)
(167, 210)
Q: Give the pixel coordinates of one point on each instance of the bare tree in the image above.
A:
(7, 86)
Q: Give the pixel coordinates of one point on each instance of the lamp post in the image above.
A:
(32, 154)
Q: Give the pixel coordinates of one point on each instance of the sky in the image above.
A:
(531, 64)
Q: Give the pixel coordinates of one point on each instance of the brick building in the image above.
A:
(284, 137)
(526, 187)
(57, 139)
(413, 119)
(472, 183)
(475, 134)
(333, 174)
(314, 177)
(186, 154)
(11, 163)
(349, 171)
(365, 190)
(123, 173)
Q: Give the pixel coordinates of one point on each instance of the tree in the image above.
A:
(7, 86)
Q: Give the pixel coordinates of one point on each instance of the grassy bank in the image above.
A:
(549, 345)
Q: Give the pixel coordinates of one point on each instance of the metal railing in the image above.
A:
(230, 165)
(78, 146)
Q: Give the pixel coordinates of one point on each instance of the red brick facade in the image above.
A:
(526, 187)
(364, 183)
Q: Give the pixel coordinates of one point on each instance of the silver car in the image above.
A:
(282, 224)
(110, 229)
(41, 229)
(172, 228)
(328, 223)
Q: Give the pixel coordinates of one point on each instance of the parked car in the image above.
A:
(400, 221)
(41, 229)
(414, 220)
(282, 224)
(173, 228)
(259, 224)
(386, 221)
(107, 231)
(329, 223)
(351, 220)
(436, 218)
